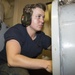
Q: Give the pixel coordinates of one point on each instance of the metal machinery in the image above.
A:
(63, 37)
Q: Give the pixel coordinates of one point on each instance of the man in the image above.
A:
(24, 42)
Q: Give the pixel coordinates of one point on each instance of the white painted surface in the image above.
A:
(63, 38)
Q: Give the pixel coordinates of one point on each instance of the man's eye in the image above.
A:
(38, 16)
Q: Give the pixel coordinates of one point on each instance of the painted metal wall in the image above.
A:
(63, 38)
(67, 35)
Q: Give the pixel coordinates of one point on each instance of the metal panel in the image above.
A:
(67, 31)
(55, 39)
(63, 38)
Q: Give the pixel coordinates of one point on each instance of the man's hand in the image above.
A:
(49, 67)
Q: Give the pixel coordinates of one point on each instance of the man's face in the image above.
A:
(37, 19)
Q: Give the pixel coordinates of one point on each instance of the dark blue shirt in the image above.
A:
(29, 47)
